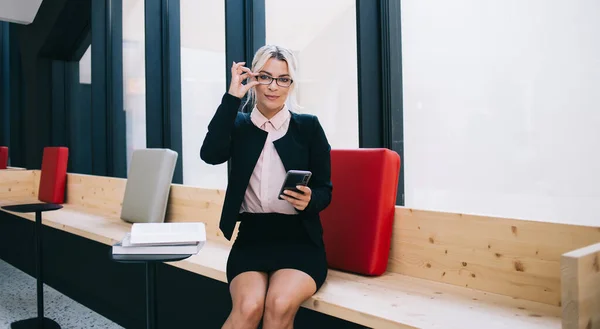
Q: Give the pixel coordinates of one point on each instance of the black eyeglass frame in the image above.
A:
(276, 81)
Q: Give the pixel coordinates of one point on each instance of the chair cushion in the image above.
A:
(148, 185)
(358, 223)
(3, 157)
(54, 175)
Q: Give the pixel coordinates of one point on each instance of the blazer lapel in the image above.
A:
(292, 153)
(252, 147)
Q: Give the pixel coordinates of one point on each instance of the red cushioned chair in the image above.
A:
(51, 193)
(358, 223)
(3, 157)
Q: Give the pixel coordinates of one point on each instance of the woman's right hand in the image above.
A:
(238, 74)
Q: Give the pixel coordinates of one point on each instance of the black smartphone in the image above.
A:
(294, 178)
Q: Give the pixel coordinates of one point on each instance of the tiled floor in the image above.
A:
(18, 302)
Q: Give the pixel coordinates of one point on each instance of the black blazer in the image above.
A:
(233, 137)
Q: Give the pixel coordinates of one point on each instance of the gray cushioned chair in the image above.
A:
(148, 185)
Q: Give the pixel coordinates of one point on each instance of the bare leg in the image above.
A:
(248, 292)
(288, 289)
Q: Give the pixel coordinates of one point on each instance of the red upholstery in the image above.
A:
(358, 223)
(3, 157)
(54, 175)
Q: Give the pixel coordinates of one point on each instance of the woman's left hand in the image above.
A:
(298, 200)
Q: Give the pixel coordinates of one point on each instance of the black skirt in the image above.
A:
(268, 242)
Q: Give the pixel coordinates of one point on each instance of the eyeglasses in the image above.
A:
(264, 79)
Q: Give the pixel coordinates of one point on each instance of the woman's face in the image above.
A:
(270, 97)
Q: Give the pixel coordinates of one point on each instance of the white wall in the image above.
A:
(502, 107)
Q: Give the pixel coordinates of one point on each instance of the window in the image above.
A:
(85, 67)
(134, 75)
(322, 34)
(78, 81)
(501, 112)
(202, 86)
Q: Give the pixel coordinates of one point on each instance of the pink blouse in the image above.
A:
(269, 173)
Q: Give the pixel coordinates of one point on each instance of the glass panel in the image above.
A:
(85, 67)
(202, 85)
(322, 34)
(134, 75)
(501, 112)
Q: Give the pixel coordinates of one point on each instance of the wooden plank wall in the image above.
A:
(104, 194)
(581, 288)
(17, 184)
(518, 258)
(511, 257)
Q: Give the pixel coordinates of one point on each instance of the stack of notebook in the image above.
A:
(162, 239)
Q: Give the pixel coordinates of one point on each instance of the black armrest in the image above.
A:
(33, 207)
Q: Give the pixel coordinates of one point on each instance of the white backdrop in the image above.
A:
(502, 107)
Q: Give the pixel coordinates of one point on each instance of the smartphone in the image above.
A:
(294, 178)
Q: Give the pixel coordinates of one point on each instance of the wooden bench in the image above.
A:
(445, 270)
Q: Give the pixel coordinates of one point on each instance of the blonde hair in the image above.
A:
(262, 55)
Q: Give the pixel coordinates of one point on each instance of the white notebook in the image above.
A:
(167, 233)
(125, 247)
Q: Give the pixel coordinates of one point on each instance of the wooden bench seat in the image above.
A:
(393, 300)
(389, 301)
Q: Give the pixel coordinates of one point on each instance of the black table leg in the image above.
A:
(150, 261)
(40, 321)
(38, 267)
(151, 295)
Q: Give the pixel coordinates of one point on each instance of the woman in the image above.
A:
(278, 258)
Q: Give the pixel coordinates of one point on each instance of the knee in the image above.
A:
(250, 310)
(280, 307)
